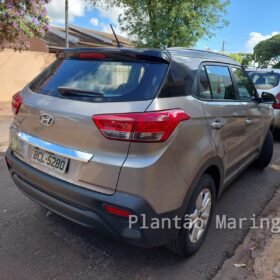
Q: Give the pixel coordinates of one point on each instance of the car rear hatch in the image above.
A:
(57, 108)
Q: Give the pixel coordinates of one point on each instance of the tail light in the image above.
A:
(277, 104)
(116, 211)
(140, 127)
(16, 103)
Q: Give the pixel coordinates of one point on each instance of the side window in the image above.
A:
(245, 89)
(220, 82)
(204, 88)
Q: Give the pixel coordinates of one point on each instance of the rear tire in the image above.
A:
(266, 152)
(185, 245)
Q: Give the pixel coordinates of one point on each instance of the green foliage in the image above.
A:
(21, 19)
(168, 23)
(276, 66)
(268, 51)
(236, 56)
(248, 58)
(243, 58)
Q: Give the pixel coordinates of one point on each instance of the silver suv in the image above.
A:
(114, 139)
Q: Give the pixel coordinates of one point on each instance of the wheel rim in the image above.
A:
(200, 216)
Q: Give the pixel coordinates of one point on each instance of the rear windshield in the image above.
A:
(265, 80)
(102, 80)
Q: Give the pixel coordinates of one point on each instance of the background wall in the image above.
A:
(18, 69)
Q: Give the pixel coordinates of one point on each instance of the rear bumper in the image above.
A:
(85, 207)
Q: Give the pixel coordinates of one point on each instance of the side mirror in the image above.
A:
(268, 98)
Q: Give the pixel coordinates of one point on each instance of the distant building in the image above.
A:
(81, 37)
(54, 40)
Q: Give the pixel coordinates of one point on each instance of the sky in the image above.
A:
(250, 21)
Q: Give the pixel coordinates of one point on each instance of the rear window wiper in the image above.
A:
(76, 91)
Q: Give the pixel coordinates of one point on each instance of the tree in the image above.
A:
(236, 56)
(168, 23)
(243, 58)
(248, 58)
(20, 20)
(268, 52)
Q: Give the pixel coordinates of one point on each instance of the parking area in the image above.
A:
(36, 244)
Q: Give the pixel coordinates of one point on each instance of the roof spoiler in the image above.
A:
(117, 54)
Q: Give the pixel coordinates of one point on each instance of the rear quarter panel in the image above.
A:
(162, 173)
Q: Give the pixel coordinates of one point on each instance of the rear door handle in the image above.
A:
(249, 122)
(217, 124)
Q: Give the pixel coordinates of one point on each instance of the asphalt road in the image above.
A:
(36, 245)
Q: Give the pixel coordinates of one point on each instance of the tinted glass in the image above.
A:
(245, 88)
(205, 92)
(220, 82)
(180, 78)
(265, 80)
(115, 80)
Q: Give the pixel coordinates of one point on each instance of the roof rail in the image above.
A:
(196, 50)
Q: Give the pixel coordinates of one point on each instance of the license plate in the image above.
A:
(50, 160)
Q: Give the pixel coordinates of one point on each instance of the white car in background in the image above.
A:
(268, 80)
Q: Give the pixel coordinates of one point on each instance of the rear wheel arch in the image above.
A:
(216, 175)
(186, 242)
(266, 153)
(213, 167)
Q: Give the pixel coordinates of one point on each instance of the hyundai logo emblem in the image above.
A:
(46, 119)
